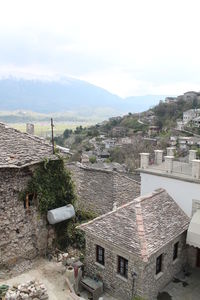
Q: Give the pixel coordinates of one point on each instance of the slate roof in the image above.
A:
(19, 149)
(142, 226)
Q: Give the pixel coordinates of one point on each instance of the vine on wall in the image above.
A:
(52, 186)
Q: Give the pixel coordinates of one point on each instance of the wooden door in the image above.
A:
(198, 258)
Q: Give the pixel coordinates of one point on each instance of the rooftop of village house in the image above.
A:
(142, 226)
(20, 149)
(187, 168)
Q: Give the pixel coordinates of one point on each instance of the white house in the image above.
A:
(182, 182)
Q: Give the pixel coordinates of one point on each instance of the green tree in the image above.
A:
(67, 133)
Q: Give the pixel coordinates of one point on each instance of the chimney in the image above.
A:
(192, 155)
(196, 168)
(114, 206)
(30, 128)
(158, 157)
(144, 160)
(171, 151)
(169, 163)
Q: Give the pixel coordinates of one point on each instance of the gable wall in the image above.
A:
(98, 190)
(23, 233)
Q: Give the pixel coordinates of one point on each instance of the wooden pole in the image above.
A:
(52, 136)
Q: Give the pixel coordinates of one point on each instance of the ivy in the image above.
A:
(69, 235)
(52, 186)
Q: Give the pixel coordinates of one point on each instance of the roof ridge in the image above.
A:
(141, 231)
(31, 136)
(136, 200)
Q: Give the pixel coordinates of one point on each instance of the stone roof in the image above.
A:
(142, 226)
(19, 149)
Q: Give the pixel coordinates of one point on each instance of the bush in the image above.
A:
(93, 159)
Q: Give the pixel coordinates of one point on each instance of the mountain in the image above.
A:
(67, 95)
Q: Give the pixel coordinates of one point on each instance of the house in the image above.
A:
(182, 181)
(153, 130)
(23, 234)
(170, 99)
(109, 143)
(137, 248)
(190, 114)
(180, 125)
(118, 131)
(196, 121)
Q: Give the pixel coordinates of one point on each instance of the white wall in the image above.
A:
(182, 192)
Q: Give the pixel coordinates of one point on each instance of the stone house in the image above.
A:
(99, 190)
(23, 234)
(139, 247)
(190, 114)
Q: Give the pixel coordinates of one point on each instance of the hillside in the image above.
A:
(76, 97)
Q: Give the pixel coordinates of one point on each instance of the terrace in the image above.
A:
(170, 166)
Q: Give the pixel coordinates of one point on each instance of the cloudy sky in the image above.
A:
(129, 47)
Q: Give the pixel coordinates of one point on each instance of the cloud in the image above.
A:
(128, 47)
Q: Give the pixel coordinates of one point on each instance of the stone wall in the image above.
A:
(146, 284)
(99, 190)
(192, 256)
(155, 283)
(114, 283)
(23, 233)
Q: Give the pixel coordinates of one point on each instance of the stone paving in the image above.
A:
(105, 296)
(184, 288)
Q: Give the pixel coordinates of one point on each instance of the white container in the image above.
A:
(60, 214)
(70, 274)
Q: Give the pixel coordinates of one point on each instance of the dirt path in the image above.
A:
(52, 274)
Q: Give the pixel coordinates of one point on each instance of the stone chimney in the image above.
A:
(196, 168)
(158, 157)
(30, 128)
(144, 160)
(169, 163)
(171, 151)
(192, 155)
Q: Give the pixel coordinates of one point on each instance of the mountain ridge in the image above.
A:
(67, 94)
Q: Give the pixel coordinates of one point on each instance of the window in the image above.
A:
(100, 255)
(28, 201)
(159, 264)
(123, 266)
(175, 251)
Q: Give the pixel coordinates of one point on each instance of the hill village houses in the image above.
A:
(145, 233)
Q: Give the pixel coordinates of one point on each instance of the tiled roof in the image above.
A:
(19, 149)
(142, 226)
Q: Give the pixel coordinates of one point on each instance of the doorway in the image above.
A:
(198, 258)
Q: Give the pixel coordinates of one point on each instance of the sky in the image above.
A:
(129, 47)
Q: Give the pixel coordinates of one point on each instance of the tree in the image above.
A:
(67, 133)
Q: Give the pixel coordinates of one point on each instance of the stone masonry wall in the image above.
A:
(154, 283)
(146, 284)
(98, 190)
(114, 283)
(23, 233)
(192, 256)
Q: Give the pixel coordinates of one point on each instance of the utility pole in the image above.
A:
(52, 136)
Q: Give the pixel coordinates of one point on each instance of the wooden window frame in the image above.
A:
(175, 250)
(159, 261)
(122, 268)
(100, 255)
